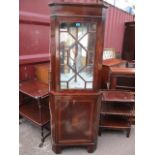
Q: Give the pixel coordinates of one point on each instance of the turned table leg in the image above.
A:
(40, 116)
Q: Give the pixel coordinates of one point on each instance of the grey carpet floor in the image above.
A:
(110, 143)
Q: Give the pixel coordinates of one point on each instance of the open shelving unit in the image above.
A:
(115, 122)
(30, 111)
(34, 99)
(116, 110)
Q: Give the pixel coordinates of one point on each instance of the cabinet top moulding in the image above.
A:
(78, 4)
(76, 9)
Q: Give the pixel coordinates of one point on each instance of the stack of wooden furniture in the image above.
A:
(118, 104)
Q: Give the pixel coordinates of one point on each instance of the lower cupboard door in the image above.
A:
(76, 121)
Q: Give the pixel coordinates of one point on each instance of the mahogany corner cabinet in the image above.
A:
(77, 32)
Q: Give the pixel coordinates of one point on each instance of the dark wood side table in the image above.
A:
(106, 64)
(121, 72)
(34, 104)
(116, 110)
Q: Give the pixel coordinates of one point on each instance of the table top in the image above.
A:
(113, 61)
(122, 70)
(120, 96)
(34, 88)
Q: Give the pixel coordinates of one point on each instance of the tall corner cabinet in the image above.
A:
(77, 32)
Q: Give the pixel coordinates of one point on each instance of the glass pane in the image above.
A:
(66, 40)
(63, 57)
(84, 41)
(73, 29)
(63, 85)
(91, 42)
(77, 57)
(66, 73)
(78, 29)
(63, 27)
(87, 73)
(76, 83)
(82, 30)
(81, 58)
(72, 53)
(77, 51)
(89, 85)
(88, 41)
(92, 27)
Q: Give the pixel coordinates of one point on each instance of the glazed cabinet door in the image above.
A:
(76, 119)
(77, 50)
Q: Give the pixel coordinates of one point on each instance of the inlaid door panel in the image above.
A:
(75, 119)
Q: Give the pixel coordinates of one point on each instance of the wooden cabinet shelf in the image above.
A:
(118, 96)
(31, 112)
(125, 87)
(116, 109)
(114, 123)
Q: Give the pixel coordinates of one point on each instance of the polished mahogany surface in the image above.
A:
(113, 62)
(76, 118)
(115, 123)
(122, 78)
(34, 104)
(106, 64)
(120, 96)
(30, 111)
(34, 88)
(122, 71)
(116, 109)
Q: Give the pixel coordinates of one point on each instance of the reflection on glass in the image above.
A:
(76, 83)
(86, 73)
(89, 85)
(92, 27)
(77, 49)
(66, 73)
(82, 30)
(63, 85)
(66, 41)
